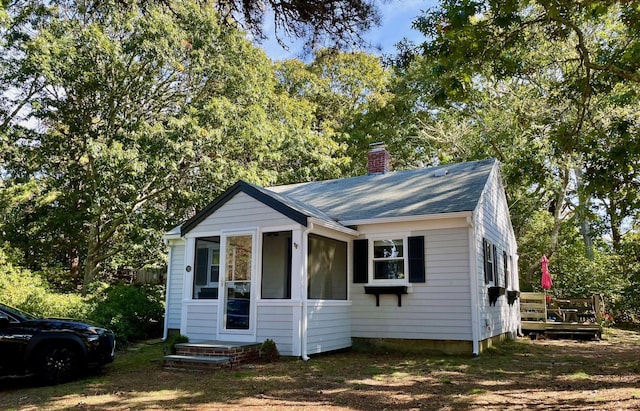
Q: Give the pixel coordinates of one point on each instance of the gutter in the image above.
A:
(303, 293)
(166, 303)
(336, 227)
(405, 219)
(473, 273)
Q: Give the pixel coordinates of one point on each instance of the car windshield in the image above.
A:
(16, 312)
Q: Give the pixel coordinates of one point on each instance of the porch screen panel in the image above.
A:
(327, 268)
(206, 268)
(202, 264)
(276, 265)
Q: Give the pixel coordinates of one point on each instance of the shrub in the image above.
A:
(176, 339)
(269, 351)
(28, 291)
(133, 312)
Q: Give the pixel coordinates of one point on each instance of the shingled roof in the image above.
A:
(342, 202)
(433, 190)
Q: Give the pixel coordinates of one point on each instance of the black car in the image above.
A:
(53, 349)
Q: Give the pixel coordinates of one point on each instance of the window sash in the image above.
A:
(393, 249)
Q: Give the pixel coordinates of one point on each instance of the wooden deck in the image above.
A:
(572, 316)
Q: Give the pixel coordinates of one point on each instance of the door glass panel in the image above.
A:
(238, 282)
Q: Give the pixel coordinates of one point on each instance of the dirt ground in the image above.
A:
(524, 374)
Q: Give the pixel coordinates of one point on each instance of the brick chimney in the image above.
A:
(378, 159)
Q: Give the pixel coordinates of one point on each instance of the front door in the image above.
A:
(237, 302)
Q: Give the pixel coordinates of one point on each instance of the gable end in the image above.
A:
(251, 191)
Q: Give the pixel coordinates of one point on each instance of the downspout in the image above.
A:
(303, 291)
(166, 303)
(473, 272)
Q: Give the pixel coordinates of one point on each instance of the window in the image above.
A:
(488, 260)
(276, 265)
(327, 268)
(207, 268)
(388, 259)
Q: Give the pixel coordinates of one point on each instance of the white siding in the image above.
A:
(439, 309)
(493, 223)
(241, 211)
(328, 326)
(277, 323)
(201, 321)
(175, 284)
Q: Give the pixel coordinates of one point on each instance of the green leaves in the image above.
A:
(145, 113)
(550, 88)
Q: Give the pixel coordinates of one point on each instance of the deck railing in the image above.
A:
(539, 307)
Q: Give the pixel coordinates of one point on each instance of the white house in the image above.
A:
(420, 258)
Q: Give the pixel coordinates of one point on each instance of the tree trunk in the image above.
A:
(583, 206)
(91, 261)
(74, 265)
(559, 199)
(616, 237)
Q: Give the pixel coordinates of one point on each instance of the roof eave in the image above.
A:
(403, 219)
(336, 227)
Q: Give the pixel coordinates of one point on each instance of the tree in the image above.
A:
(589, 52)
(125, 120)
(337, 22)
(539, 85)
(352, 98)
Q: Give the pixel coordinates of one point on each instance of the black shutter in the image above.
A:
(360, 261)
(486, 251)
(416, 259)
(496, 277)
(505, 263)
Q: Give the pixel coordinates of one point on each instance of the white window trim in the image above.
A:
(386, 281)
(494, 281)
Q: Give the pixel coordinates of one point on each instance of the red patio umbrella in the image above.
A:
(545, 281)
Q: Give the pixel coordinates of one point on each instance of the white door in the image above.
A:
(237, 297)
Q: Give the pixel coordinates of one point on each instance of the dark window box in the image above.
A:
(494, 293)
(386, 289)
(512, 296)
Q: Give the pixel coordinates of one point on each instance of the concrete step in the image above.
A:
(239, 352)
(191, 362)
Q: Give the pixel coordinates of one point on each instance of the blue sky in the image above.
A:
(396, 17)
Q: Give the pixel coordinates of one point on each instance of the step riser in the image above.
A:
(237, 355)
(177, 365)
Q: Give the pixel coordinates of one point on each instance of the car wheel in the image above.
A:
(57, 363)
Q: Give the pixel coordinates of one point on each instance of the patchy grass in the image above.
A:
(524, 374)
